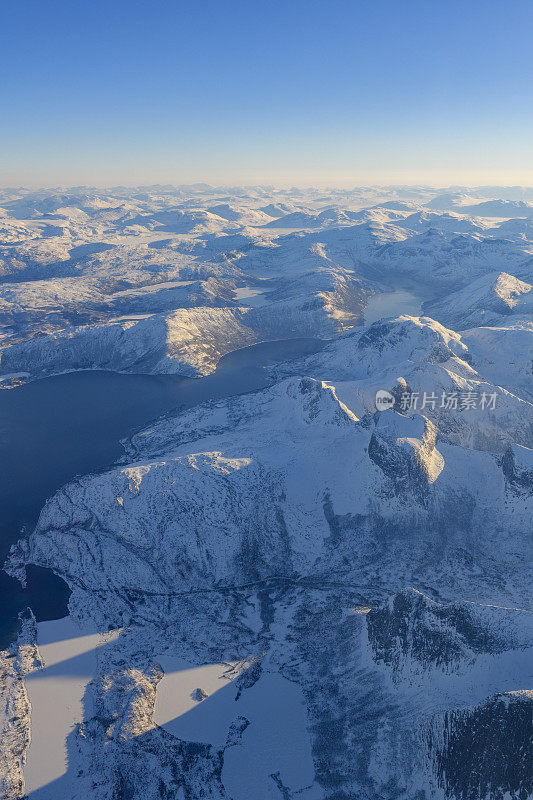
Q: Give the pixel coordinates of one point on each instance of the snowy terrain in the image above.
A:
(288, 594)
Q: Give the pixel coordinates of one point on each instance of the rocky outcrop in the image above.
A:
(15, 724)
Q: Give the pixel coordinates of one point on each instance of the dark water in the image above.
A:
(56, 428)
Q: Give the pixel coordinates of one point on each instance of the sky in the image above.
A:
(341, 92)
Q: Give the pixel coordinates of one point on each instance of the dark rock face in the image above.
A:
(395, 463)
(518, 475)
(375, 336)
(412, 625)
(469, 752)
(487, 752)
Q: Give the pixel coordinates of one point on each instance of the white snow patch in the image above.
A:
(252, 297)
(56, 695)
(180, 714)
(275, 741)
(391, 304)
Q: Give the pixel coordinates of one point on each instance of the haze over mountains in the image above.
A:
(365, 570)
(165, 280)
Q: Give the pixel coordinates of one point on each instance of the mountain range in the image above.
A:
(359, 577)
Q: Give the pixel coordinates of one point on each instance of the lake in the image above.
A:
(391, 304)
(56, 428)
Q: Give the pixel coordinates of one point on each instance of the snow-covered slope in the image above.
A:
(308, 597)
(487, 301)
(418, 358)
(69, 259)
(368, 463)
(285, 502)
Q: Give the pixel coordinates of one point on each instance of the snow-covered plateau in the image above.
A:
(284, 594)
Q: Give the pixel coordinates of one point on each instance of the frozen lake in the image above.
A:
(275, 740)
(272, 750)
(391, 304)
(251, 297)
(56, 694)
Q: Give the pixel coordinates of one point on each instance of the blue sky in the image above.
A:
(337, 92)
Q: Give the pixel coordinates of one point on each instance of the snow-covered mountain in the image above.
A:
(352, 511)
(295, 592)
(490, 300)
